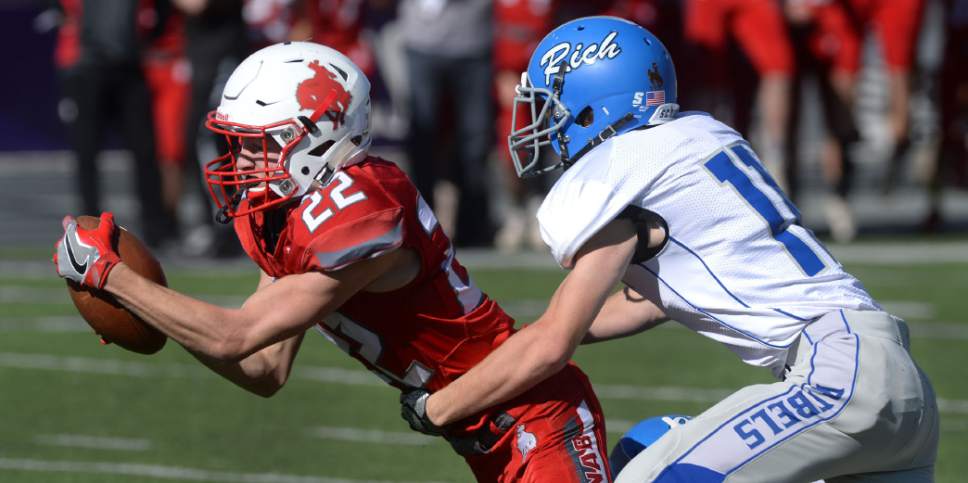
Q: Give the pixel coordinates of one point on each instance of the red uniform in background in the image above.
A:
(841, 26)
(647, 13)
(68, 48)
(518, 27)
(168, 74)
(896, 22)
(756, 24)
(834, 39)
(337, 24)
(434, 329)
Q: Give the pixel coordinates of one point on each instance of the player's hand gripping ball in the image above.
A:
(85, 256)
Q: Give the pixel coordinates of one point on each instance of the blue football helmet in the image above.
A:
(588, 80)
(641, 436)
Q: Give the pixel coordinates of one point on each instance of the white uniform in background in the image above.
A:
(739, 269)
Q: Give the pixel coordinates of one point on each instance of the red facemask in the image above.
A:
(261, 187)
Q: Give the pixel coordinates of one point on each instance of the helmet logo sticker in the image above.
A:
(655, 78)
(654, 98)
(582, 54)
(323, 94)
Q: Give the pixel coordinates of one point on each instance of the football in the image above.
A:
(109, 319)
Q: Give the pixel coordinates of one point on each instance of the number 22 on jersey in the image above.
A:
(732, 165)
(340, 198)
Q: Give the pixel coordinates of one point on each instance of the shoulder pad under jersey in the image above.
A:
(350, 219)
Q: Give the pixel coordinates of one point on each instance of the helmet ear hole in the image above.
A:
(321, 149)
(310, 125)
(586, 117)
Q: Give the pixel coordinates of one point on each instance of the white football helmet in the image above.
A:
(306, 98)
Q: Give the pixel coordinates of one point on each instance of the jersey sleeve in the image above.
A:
(592, 193)
(353, 219)
(358, 239)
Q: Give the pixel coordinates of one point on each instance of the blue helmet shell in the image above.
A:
(613, 69)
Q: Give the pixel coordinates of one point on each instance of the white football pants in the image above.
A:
(853, 408)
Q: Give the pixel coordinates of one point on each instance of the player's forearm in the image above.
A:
(201, 327)
(262, 373)
(528, 357)
(521, 362)
(249, 373)
(543, 348)
(625, 313)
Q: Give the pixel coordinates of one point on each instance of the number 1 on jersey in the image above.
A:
(725, 168)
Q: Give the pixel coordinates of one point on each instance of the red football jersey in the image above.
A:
(425, 334)
(435, 328)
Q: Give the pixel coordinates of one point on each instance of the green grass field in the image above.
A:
(74, 411)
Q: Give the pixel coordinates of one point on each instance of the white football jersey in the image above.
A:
(738, 267)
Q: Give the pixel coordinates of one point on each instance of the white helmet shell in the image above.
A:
(312, 100)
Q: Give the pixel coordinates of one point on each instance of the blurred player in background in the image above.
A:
(518, 27)
(169, 80)
(98, 55)
(679, 208)
(896, 24)
(215, 42)
(827, 48)
(337, 24)
(758, 27)
(346, 246)
(269, 21)
(952, 161)
(830, 35)
(449, 64)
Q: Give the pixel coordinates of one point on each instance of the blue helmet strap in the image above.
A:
(606, 133)
(567, 160)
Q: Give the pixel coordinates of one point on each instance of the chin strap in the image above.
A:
(606, 133)
(566, 159)
(222, 216)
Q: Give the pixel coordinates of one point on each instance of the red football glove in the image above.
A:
(87, 256)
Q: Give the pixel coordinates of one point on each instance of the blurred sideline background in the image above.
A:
(34, 141)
